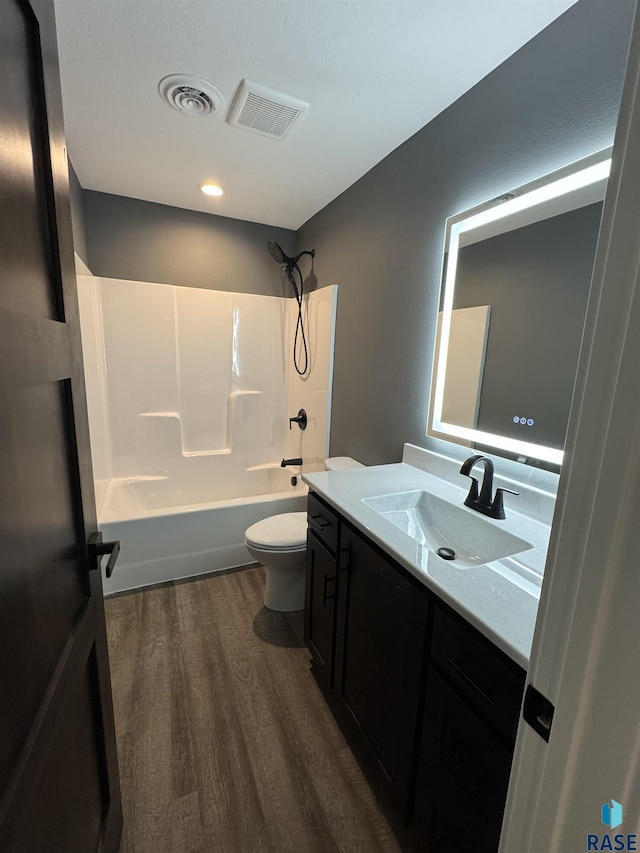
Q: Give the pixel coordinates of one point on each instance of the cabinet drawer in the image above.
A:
(489, 680)
(323, 521)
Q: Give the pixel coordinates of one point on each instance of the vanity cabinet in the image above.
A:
(382, 622)
(428, 704)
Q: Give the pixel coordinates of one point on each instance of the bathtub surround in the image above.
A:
(554, 101)
(93, 355)
(189, 394)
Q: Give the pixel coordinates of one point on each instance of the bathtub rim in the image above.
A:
(106, 517)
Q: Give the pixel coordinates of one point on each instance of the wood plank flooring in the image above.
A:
(225, 741)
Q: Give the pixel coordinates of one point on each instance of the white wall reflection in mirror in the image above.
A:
(516, 280)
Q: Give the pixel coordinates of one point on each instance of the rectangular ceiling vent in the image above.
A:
(264, 110)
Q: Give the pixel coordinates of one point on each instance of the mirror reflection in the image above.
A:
(516, 280)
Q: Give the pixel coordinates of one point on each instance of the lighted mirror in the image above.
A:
(516, 278)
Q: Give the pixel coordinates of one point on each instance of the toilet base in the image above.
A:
(285, 570)
(284, 588)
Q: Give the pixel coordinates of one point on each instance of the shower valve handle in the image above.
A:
(300, 419)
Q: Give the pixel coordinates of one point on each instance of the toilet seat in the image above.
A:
(284, 532)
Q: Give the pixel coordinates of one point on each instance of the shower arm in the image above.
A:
(292, 263)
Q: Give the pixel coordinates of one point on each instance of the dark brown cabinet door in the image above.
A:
(381, 635)
(320, 600)
(462, 779)
(471, 710)
(59, 790)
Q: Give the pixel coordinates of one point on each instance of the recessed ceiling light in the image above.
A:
(211, 188)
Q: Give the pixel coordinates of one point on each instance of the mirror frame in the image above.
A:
(580, 175)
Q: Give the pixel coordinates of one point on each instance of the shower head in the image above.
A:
(276, 252)
(279, 256)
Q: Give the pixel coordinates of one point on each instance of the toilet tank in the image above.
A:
(341, 463)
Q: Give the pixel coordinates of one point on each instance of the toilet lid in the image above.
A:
(279, 532)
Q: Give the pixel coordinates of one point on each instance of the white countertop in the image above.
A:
(499, 598)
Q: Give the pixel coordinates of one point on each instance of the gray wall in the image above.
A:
(554, 101)
(77, 214)
(143, 241)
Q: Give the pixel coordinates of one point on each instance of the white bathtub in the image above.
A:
(167, 532)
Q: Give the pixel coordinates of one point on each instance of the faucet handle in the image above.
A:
(497, 507)
(300, 419)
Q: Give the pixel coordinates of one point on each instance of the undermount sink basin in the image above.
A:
(437, 523)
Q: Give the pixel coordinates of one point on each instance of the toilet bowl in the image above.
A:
(280, 544)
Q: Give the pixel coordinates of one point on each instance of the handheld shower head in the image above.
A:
(276, 252)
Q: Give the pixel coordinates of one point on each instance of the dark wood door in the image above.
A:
(380, 647)
(59, 789)
(462, 778)
(320, 600)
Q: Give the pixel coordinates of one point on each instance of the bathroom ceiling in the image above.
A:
(373, 71)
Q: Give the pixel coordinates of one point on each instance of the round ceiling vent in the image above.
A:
(190, 95)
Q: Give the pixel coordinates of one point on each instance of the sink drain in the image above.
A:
(446, 553)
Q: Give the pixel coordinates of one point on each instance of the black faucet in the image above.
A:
(286, 462)
(484, 502)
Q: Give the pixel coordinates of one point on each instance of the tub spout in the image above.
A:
(286, 462)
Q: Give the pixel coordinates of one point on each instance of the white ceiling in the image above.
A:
(374, 72)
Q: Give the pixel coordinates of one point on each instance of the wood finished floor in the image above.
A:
(225, 742)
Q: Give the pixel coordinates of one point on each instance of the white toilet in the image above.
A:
(280, 543)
